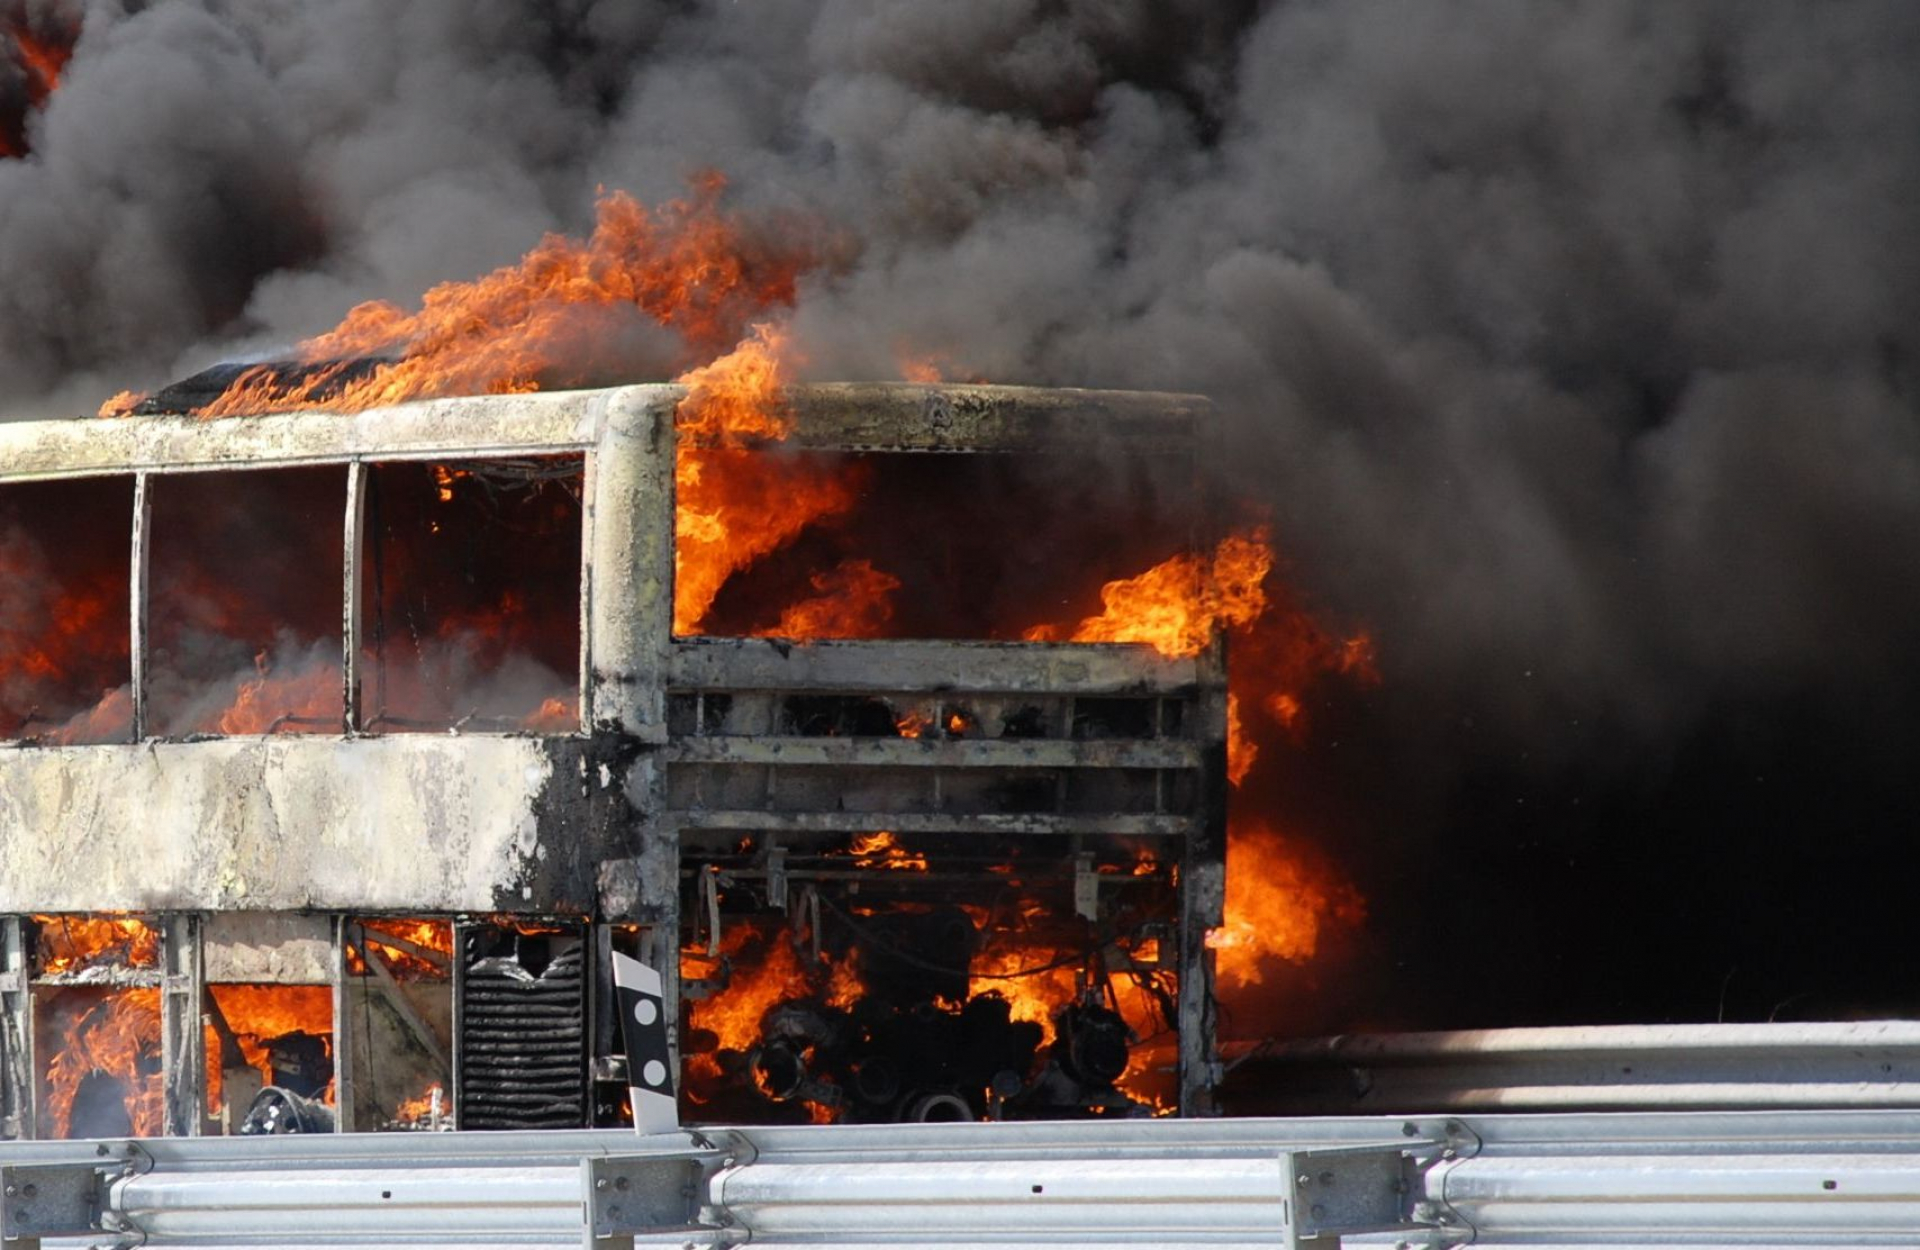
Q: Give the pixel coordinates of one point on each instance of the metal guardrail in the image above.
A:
(1867, 1064)
(1701, 1179)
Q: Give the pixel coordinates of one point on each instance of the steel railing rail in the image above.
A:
(1749, 1179)
(1725, 1067)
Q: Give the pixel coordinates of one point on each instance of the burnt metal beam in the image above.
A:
(402, 823)
(994, 824)
(343, 1056)
(141, 561)
(932, 752)
(928, 668)
(350, 612)
(893, 416)
(860, 416)
(583, 675)
(1203, 890)
(467, 428)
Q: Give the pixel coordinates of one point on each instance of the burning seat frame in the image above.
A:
(588, 825)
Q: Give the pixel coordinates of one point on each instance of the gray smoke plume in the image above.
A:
(1572, 343)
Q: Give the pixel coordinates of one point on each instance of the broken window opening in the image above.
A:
(270, 1038)
(398, 1021)
(244, 602)
(904, 545)
(95, 1001)
(101, 1075)
(470, 599)
(65, 618)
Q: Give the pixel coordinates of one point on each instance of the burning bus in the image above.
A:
(342, 751)
(357, 708)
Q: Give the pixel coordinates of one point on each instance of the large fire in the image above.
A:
(1277, 901)
(557, 317)
(718, 283)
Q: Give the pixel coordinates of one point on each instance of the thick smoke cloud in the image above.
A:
(1573, 345)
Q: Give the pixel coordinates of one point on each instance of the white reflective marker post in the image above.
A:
(643, 1023)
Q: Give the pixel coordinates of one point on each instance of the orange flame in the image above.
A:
(733, 506)
(266, 702)
(559, 714)
(923, 369)
(766, 970)
(1018, 971)
(1278, 903)
(880, 850)
(1242, 750)
(402, 951)
(117, 1036)
(258, 1014)
(853, 602)
(1175, 606)
(555, 317)
(121, 404)
(70, 944)
(757, 985)
(42, 61)
(423, 1109)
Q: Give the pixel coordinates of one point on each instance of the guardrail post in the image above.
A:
(626, 1196)
(1347, 1191)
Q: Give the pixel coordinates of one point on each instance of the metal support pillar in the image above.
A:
(182, 1032)
(456, 1077)
(1203, 888)
(660, 907)
(17, 1092)
(140, 562)
(343, 1077)
(350, 613)
(629, 526)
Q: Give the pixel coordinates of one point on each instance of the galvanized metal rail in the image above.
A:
(1706, 1067)
(1801, 1178)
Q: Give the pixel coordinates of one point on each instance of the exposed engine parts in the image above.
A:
(276, 1111)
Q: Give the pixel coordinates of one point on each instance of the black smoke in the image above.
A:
(1573, 346)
